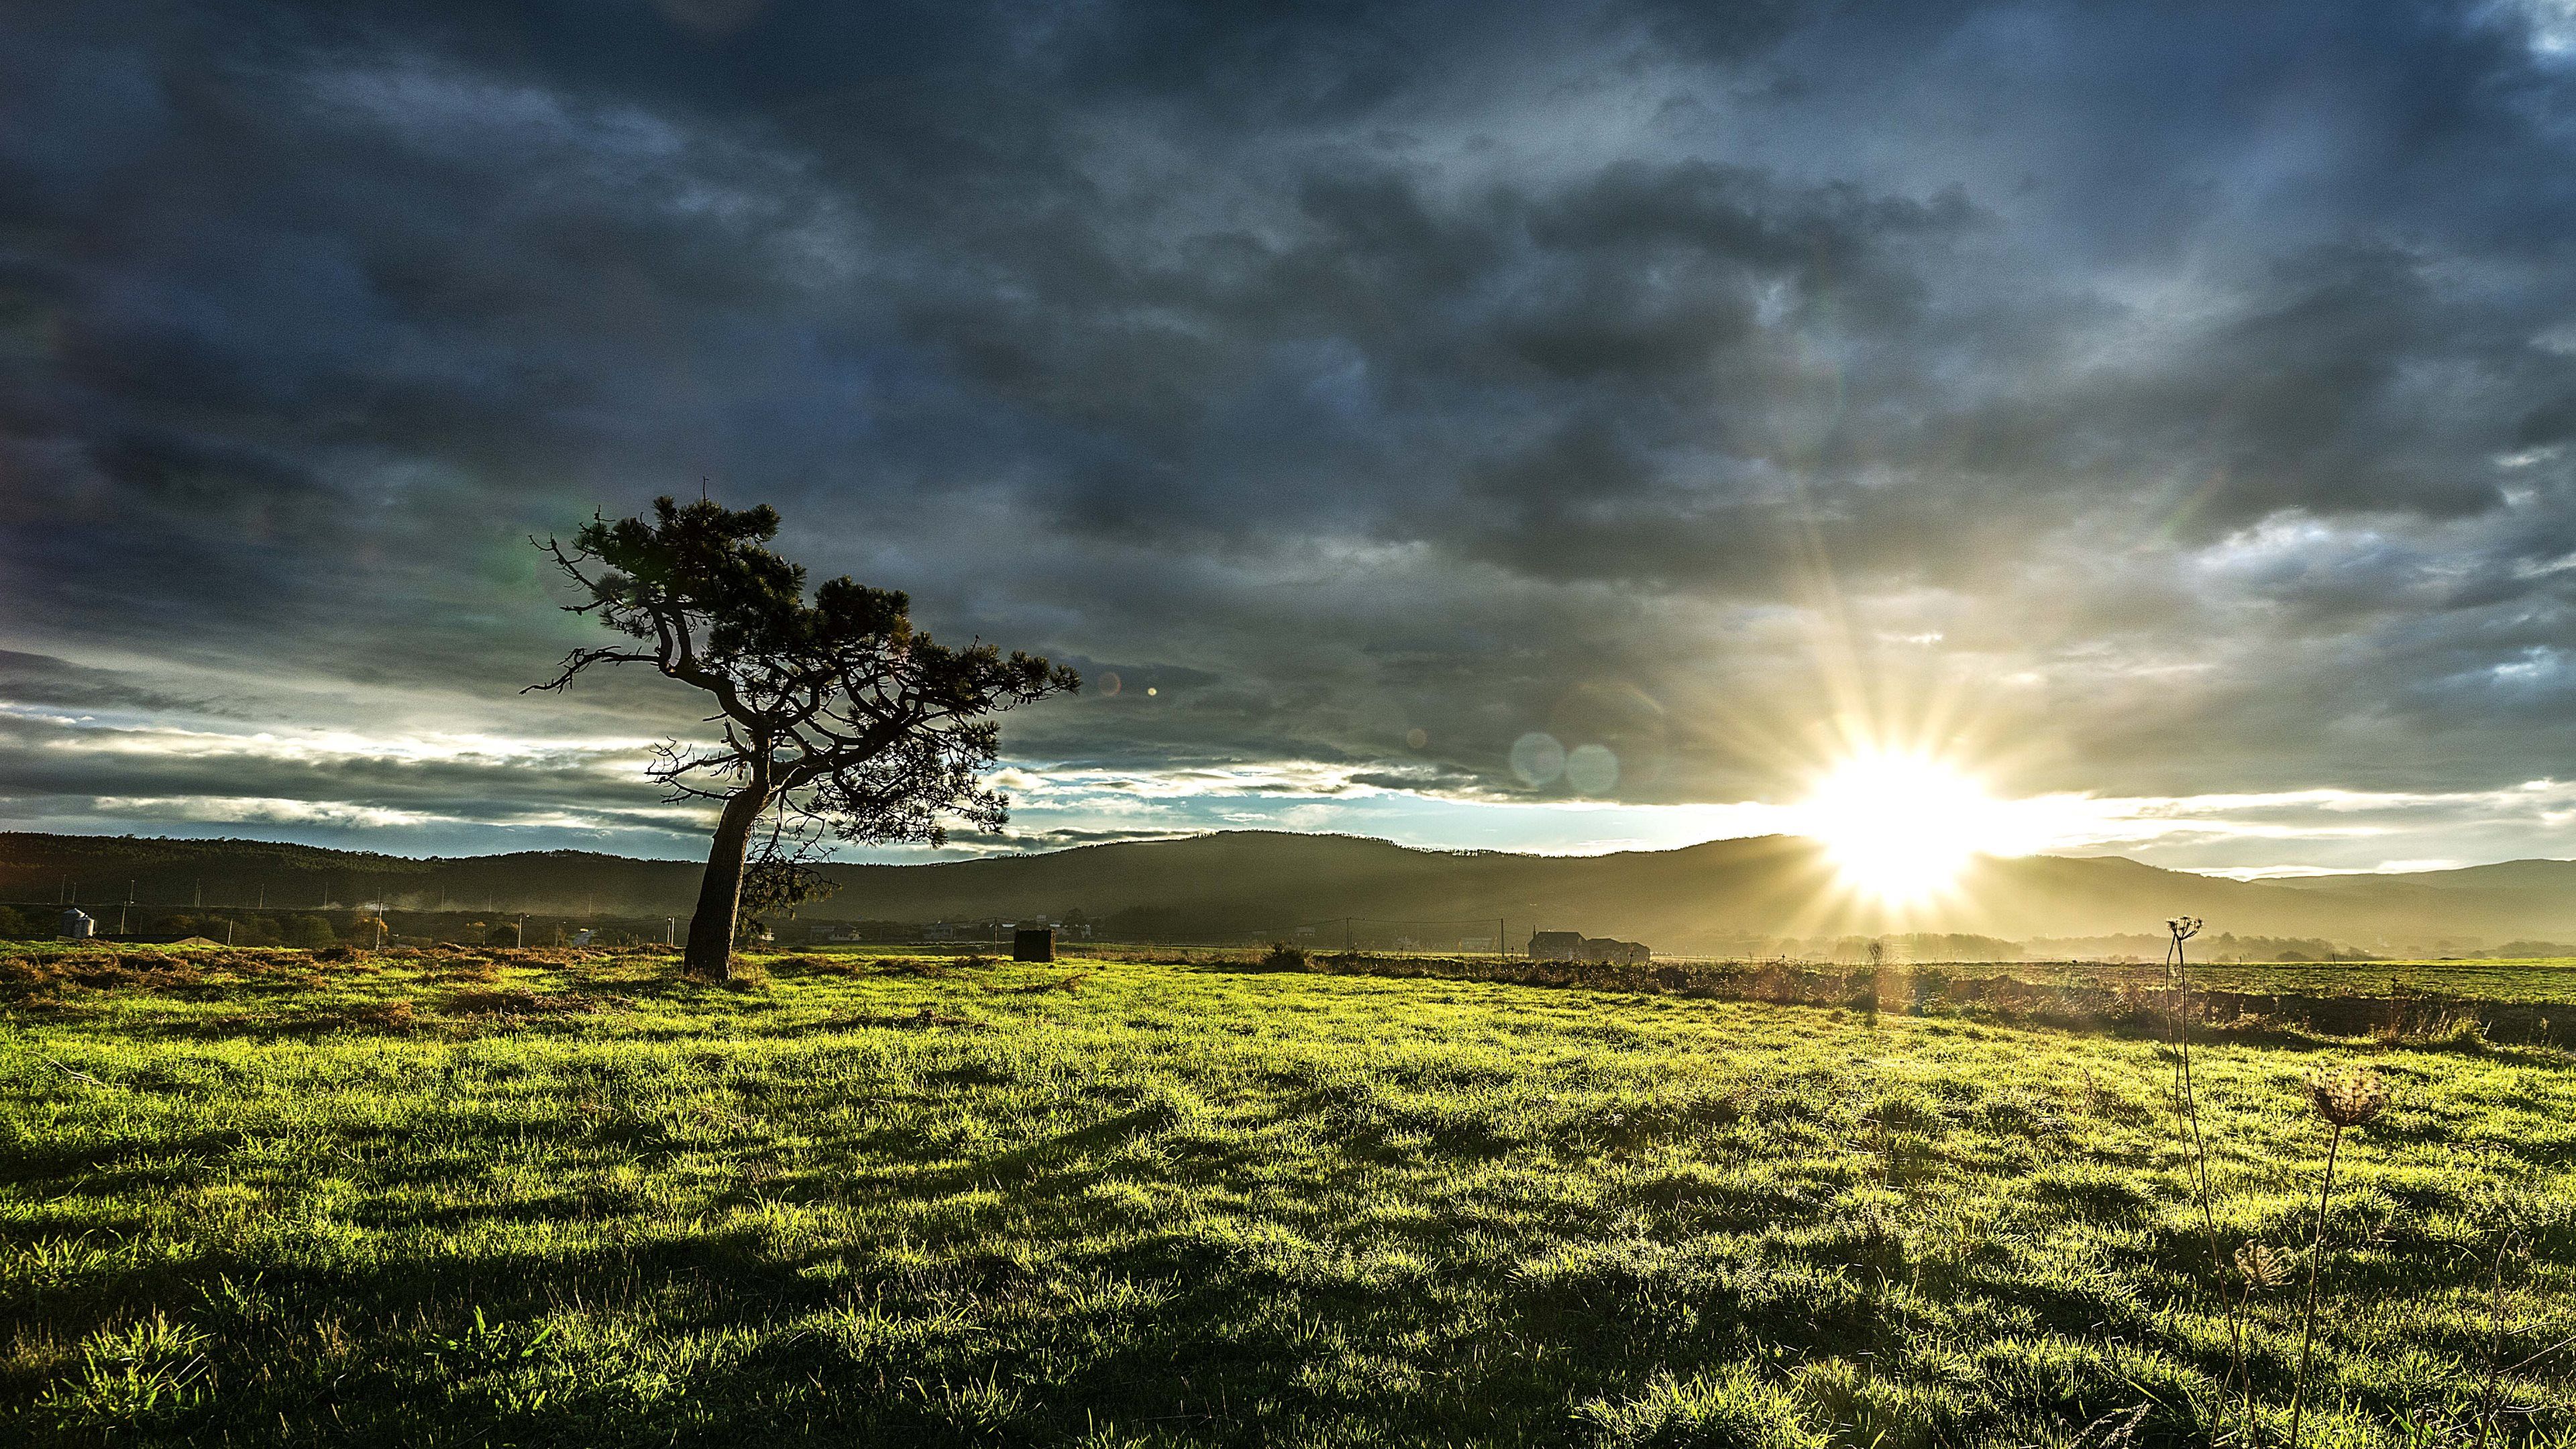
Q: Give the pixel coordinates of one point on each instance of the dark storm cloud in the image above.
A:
(1353, 375)
(40, 679)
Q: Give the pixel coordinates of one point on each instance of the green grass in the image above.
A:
(259, 1199)
(2536, 980)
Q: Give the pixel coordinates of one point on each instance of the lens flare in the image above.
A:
(1537, 758)
(1900, 827)
(1592, 769)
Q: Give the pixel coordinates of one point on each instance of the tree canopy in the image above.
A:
(836, 715)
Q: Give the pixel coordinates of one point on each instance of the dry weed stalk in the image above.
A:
(2187, 1107)
(2260, 1267)
(2494, 1378)
(2345, 1100)
(2186, 1097)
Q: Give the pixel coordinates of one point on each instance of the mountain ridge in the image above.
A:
(1714, 894)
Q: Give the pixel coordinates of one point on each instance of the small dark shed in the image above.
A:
(1033, 943)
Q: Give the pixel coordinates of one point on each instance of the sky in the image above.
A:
(1555, 426)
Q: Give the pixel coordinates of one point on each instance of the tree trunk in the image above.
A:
(711, 930)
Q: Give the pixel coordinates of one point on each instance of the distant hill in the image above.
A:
(40, 868)
(1715, 896)
(1708, 896)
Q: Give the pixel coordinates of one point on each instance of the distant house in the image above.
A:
(1556, 946)
(1576, 946)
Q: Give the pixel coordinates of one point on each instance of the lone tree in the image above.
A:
(838, 718)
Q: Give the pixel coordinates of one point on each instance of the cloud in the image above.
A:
(149, 771)
(2166, 402)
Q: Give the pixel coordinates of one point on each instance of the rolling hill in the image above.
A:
(1712, 896)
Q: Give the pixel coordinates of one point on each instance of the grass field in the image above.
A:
(265, 1198)
(2537, 980)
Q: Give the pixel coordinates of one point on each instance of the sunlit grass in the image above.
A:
(877, 1199)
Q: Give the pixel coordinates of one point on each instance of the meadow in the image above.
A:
(476, 1197)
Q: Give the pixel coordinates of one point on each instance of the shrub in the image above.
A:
(33, 924)
(255, 930)
(310, 931)
(1284, 957)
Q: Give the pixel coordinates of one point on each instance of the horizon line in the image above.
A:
(2242, 875)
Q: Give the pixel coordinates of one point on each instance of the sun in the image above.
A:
(1899, 826)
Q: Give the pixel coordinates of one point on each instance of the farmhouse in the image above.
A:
(1576, 946)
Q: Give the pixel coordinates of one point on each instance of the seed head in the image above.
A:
(2264, 1266)
(2348, 1099)
(2184, 927)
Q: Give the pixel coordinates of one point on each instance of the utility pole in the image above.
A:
(1347, 938)
(1502, 943)
(197, 892)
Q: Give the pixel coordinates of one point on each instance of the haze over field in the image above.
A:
(1737, 898)
(1546, 426)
